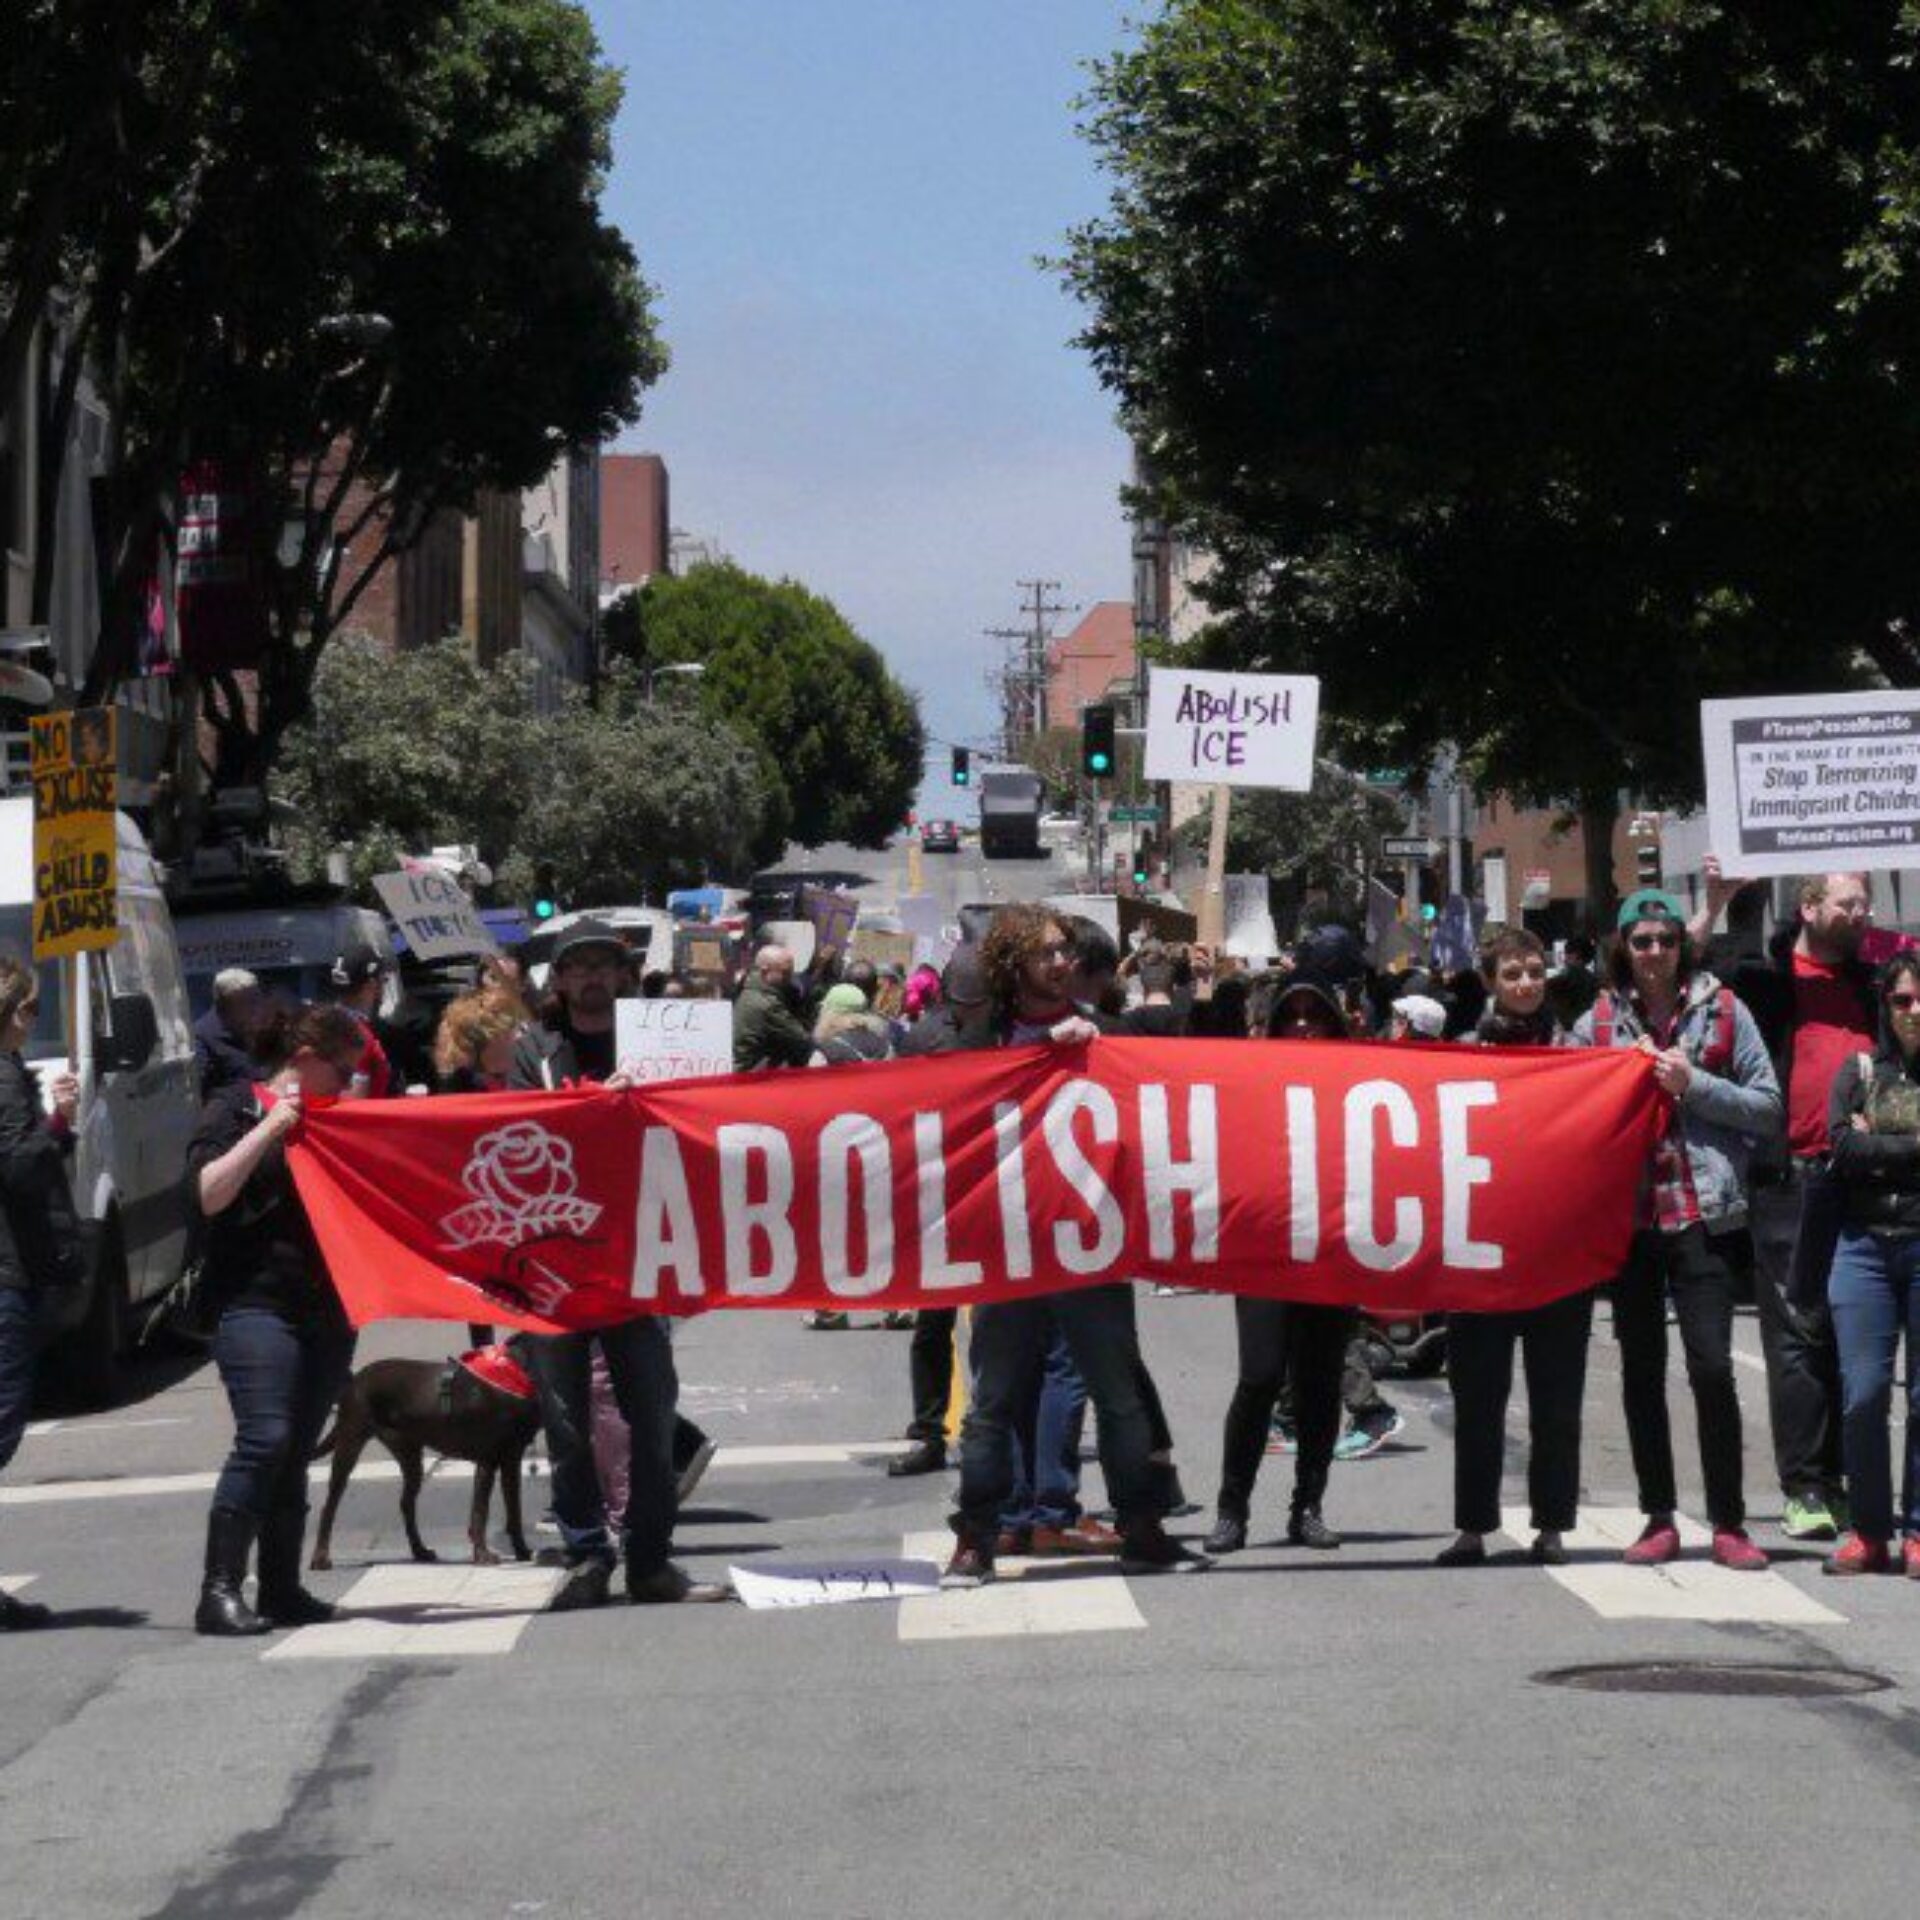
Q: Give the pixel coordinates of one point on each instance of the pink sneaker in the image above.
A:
(1659, 1543)
(1732, 1549)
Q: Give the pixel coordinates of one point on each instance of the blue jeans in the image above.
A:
(1009, 1352)
(282, 1378)
(1046, 1444)
(1875, 1295)
(19, 1349)
(640, 1366)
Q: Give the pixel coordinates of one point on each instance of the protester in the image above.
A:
(922, 995)
(1416, 1016)
(1574, 985)
(1284, 1340)
(473, 1049)
(576, 1043)
(767, 1028)
(1710, 1061)
(1155, 1016)
(40, 1245)
(953, 1023)
(1553, 1339)
(1875, 1284)
(223, 1035)
(359, 978)
(1814, 1000)
(1028, 959)
(282, 1343)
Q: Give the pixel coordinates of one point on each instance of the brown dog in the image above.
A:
(412, 1405)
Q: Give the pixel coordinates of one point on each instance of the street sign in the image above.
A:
(1141, 816)
(1408, 847)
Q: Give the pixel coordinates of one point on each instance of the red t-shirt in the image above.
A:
(1829, 1027)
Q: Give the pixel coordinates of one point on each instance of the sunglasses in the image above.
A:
(1903, 1002)
(1652, 942)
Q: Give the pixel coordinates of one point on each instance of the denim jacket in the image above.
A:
(1723, 1117)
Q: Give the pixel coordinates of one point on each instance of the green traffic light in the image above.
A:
(1098, 762)
(544, 909)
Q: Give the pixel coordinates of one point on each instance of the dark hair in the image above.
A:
(1507, 944)
(1900, 967)
(862, 974)
(1155, 968)
(1580, 949)
(330, 1031)
(1093, 949)
(1620, 958)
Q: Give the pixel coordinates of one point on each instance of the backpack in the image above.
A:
(1716, 1057)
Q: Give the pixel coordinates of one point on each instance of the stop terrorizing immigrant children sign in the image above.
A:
(1416, 1178)
(1232, 729)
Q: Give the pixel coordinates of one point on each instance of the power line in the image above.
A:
(1021, 678)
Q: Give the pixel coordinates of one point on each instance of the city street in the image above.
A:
(1325, 1733)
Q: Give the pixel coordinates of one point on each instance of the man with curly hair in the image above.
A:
(1027, 957)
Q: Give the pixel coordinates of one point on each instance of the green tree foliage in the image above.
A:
(1534, 371)
(841, 736)
(402, 752)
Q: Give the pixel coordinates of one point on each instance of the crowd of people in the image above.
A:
(1789, 1163)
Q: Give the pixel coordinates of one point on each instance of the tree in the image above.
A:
(405, 751)
(1533, 373)
(840, 735)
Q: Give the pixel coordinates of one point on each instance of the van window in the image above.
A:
(48, 1040)
(144, 960)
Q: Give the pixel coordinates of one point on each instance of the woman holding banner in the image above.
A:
(39, 1233)
(282, 1345)
(1552, 1339)
(1710, 1061)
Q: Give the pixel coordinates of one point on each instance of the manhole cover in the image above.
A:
(1716, 1677)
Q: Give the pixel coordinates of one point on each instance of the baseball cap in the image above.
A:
(843, 998)
(587, 933)
(1650, 903)
(358, 963)
(1425, 1015)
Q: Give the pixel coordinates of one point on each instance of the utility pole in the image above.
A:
(1022, 679)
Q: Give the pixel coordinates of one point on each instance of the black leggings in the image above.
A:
(1307, 1347)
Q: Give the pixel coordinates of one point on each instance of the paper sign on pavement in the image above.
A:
(1813, 783)
(832, 1583)
(673, 1039)
(1232, 729)
(434, 916)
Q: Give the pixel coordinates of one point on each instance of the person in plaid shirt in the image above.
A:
(1710, 1060)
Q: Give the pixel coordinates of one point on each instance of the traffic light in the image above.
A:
(962, 767)
(546, 896)
(1096, 742)
(1142, 865)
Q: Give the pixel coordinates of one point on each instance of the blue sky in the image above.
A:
(841, 202)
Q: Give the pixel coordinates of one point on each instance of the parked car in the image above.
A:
(940, 836)
(128, 1034)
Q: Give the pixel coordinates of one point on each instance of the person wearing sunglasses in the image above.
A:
(1711, 1063)
(1874, 1290)
(1552, 1339)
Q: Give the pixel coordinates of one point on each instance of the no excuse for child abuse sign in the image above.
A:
(75, 867)
(1824, 782)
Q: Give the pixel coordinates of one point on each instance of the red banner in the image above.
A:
(1418, 1178)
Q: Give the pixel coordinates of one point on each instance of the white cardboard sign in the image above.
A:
(1233, 729)
(1813, 783)
(673, 1039)
(830, 1583)
(434, 917)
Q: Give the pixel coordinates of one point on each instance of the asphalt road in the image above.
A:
(1319, 1734)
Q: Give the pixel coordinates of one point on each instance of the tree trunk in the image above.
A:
(1597, 817)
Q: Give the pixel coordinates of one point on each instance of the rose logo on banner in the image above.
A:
(524, 1187)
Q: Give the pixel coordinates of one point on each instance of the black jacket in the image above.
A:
(1879, 1167)
(39, 1229)
(222, 1059)
(544, 1057)
(1766, 985)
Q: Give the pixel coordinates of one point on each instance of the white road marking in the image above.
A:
(1757, 1362)
(427, 1613)
(1690, 1589)
(35, 1428)
(42, 1493)
(1068, 1597)
(16, 1582)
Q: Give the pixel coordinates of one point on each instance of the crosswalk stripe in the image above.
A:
(16, 1582)
(1030, 1597)
(1693, 1589)
(427, 1613)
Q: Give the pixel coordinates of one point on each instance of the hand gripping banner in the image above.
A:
(1417, 1178)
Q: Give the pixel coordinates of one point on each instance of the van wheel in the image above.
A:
(91, 1360)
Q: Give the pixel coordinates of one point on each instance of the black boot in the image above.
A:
(1229, 1533)
(283, 1601)
(928, 1456)
(223, 1609)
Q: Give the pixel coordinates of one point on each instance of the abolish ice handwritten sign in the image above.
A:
(673, 1039)
(1818, 783)
(435, 918)
(1232, 729)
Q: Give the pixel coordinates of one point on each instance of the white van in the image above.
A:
(132, 1046)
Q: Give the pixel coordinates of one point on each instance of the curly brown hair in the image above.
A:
(1015, 936)
(471, 1024)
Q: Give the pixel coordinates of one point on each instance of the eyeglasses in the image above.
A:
(1652, 942)
(1903, 1002)
(1056, 950)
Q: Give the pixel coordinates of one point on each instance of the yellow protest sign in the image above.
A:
(75, 871)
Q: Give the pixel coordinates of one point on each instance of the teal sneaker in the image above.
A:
(1809, 1518)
